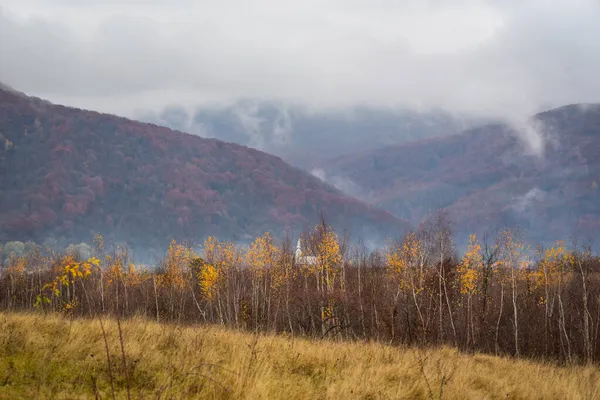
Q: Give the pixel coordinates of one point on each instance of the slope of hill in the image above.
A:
(66, 173)
(303, 137)
(489, 179)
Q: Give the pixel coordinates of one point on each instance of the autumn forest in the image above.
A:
(502, 296)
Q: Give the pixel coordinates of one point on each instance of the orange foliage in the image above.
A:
(470, 267)
(176, 271)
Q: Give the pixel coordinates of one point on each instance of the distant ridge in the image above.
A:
(489, 178)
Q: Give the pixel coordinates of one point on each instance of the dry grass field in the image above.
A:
(53, 357)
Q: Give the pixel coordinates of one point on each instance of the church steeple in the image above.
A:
(298, 250)
(301, 259)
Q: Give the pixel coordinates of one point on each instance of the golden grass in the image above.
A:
(52, 357)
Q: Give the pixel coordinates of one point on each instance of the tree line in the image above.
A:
(502, 296)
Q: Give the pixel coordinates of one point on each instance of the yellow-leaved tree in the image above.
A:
(206, 276)
(60, 293)
(326, 266)
(262, 257)
(554, 269)
(469, 273)
(225, 258)
(175, 277)
(514, 258)
(116, 265)
(405, 267)
(329, 256)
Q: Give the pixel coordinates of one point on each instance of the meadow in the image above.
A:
(53, 356)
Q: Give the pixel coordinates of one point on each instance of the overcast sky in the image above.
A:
(495, 56)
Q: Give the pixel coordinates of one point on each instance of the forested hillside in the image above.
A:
(67, 173)
(490, 177)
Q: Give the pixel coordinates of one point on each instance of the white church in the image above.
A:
(301, 259)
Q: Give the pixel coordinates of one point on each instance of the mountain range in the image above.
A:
(67, 173)
(541, 177)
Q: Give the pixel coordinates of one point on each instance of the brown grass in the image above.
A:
(53, 357)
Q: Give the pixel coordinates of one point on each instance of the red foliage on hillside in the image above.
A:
(67, 173)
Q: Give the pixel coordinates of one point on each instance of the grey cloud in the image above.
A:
(533, 133)
(260, 130)
(342, 183)
(176, 117)
(525, 203)
(251, 124)
(116, 56)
